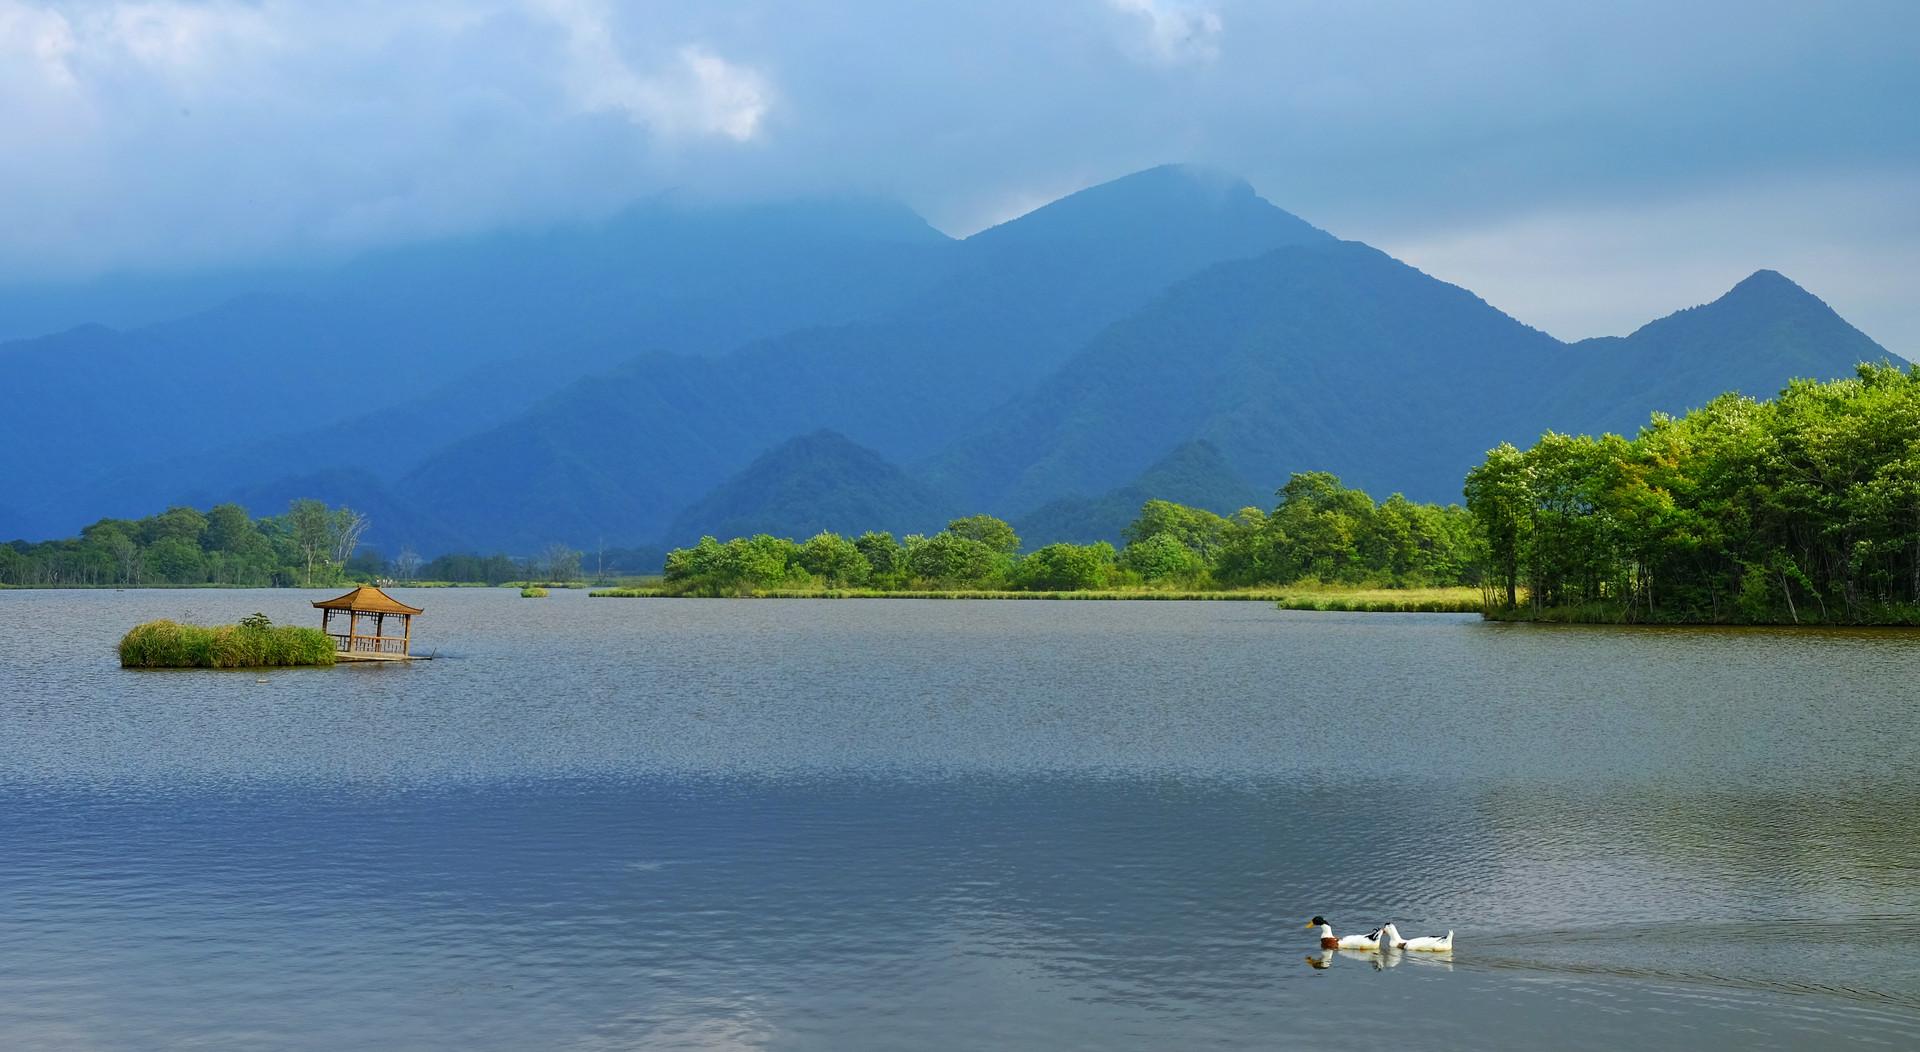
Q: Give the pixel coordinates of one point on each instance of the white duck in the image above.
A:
(1370, 941)
(1391, 938)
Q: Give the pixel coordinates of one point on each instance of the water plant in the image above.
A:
(254, 643)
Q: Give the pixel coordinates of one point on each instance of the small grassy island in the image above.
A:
(255, 642)
(533, 591)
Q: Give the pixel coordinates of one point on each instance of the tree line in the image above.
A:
(1320, 530)
(311, 544)
(1805, 508)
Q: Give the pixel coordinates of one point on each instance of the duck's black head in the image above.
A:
(1317, 921)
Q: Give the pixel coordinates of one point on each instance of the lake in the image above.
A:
(914, 824)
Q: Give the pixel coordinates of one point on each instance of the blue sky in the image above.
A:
(1584, 166)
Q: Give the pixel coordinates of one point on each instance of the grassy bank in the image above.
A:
(1383, 600)
(1880, 615)
(169, 644)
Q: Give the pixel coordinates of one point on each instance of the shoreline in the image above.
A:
(1415, 601)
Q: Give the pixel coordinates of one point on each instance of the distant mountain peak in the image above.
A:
(1759, 308)
(1771, 284)
(820, 480)
(1169, 195)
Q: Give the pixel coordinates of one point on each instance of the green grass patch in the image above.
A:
(170, 644)
(1386, 600)
(533, 592)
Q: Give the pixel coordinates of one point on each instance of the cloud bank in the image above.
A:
(1642, 152)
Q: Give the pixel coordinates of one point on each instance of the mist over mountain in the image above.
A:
(674, 369)
(419, 346)
(624, 451)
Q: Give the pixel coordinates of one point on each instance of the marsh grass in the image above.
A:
(533, 591)
(170, 644)
(1368, 600)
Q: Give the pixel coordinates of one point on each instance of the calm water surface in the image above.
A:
(601, 824)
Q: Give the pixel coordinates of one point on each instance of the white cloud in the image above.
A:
(1605, 270)
(699, 93)
(1175, 33)
(181, 133)
(34, 44)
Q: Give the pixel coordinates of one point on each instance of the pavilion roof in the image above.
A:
(367, 599)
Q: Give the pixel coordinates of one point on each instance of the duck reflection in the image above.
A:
(1380, 960)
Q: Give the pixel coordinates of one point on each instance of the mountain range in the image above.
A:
(681, 369)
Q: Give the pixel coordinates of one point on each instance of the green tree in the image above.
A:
(1196, 529)
(834, 559)
(886, 558)
(992, 532)
(1066, 567)
(312, 531)
(1163, 557)
(951, 560)
(1498, 495)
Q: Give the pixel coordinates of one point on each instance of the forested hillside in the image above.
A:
(601, 385)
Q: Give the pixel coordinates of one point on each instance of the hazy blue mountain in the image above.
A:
(1194, 474)
(1762, 332)
(448, 330)
(820, 481)
(1338, 357)
(621, 453)
(603, 385)
(131, 300)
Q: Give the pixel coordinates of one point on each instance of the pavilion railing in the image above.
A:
(356, 644)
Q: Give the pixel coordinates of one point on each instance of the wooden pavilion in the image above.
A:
(370, 602)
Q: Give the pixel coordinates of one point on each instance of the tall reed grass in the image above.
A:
(170, 644)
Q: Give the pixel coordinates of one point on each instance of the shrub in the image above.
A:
(1163, 557)
(1066, 568)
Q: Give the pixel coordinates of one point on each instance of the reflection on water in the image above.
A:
(1380, 960)
(921, 824)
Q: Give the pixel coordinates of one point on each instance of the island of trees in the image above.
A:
(1321, 530)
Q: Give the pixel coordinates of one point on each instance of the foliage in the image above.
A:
(253, 643)
(1805, 508)
(1067, 568)
(184, 546)
(1164, 557)
(949, 560)
(533, 591)
(886, 558)
(834, 559)
(737, 567)
(1321, 531)
(992, 532)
